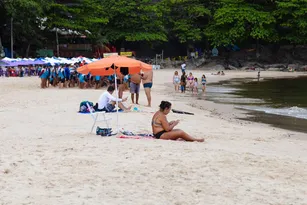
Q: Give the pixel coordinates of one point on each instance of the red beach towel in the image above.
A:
(135, 137)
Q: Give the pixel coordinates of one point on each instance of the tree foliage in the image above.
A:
(24, 15)
(186, 19)
(81, 16)
(237, 20)
(134, 20)
(291, 16)
(222, 22)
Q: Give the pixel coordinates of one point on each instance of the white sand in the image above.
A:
(48, 156)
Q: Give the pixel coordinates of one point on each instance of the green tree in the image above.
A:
(135, 20)
(187, 19)
(26, 16)
(237, 20)
(81, 16)
(291, 16)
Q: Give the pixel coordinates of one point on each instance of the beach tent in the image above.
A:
(39, 62)
(18, 63)
(8, 59)
(11, 62)
(3, 63)
(113, 65)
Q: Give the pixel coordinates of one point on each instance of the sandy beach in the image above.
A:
(48, 155)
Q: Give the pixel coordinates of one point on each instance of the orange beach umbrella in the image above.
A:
(114, 64)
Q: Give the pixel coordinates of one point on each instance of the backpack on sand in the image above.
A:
(83, 107)
(104, 131)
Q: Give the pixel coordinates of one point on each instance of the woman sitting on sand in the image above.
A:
(162, 129)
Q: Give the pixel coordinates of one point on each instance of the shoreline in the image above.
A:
(230, 112)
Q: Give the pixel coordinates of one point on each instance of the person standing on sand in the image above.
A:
(183, 67)
(190, 79)
(162, 129)
(176, 80)
(203, 83)
(183, 82)
(67, 75)
(195, 86)
(147, 78)
(120, 84)
(135, 81)
(61, 75)
(43, 75)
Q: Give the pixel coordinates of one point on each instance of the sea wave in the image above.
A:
(295, 111)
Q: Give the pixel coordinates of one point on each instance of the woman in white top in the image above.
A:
(176, 80)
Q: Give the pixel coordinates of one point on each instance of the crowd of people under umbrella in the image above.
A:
(53, 72)
(60, 75)
(65, 76)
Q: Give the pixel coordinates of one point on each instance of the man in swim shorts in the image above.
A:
(135, 81)
(147, 79)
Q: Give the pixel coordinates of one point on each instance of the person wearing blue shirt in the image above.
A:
(51, 78)
(67, 75)
(48, 76)
(81, 80)
(97, 81)
(43, 75)
(61, 75)
(111, 78)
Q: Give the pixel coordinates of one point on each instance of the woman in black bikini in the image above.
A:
(162, 129)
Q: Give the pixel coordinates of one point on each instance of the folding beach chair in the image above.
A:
(96, 118)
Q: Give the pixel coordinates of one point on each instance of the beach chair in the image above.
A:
(98, 117)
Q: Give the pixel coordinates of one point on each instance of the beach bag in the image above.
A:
(83, 107)
(104, 131)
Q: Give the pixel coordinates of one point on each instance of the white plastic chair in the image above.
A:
(95, 116)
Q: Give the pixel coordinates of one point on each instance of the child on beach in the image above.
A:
(183, 82)
(195, 86)
(203, 82)
(176, 81)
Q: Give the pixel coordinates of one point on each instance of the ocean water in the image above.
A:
(279, 102)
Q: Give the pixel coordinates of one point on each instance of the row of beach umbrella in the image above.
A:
(13, 62)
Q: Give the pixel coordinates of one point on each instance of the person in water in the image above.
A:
(162, 129)
(203, 82)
